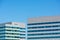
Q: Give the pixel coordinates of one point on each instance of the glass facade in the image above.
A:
(44, 31)
(12, 32)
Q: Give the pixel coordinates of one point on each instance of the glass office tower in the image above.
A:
(44, 28)
(12, 31)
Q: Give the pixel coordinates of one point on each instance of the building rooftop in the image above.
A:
(13, 24)
(44, 19)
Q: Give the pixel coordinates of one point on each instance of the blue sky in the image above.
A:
(20, 10)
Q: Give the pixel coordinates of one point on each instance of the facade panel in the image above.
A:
(44, 28)
(12, 31)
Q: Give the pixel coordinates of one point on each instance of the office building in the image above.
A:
(12, 31)
(44, 28)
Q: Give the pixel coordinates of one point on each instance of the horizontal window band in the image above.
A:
(12, 27)
(43, 30)
(11, 37)
(8, 39)
(44, 26)
(43, 34)
(2, 27)
(13, 30)
(22, 37)
(11, 34)
(3, 30)
(43, 37)
(44, 23)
